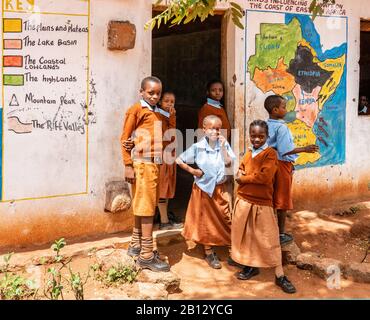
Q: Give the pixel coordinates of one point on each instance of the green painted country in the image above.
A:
(276, 40)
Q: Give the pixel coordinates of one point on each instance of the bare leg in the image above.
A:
(163, 206)
(279, 271)
(281, 215)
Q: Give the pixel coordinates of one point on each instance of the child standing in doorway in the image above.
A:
(255, 234)
(167, 172)
(213, 106)
(280, 138)
(207, 220)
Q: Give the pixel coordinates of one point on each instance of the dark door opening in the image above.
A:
(364, 67)
(185, 58)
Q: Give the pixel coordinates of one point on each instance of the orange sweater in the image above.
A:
(168, 123)
(136, 118)
(257, 186)
(208, 110)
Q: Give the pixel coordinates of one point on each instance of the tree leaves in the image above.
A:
(185, 11)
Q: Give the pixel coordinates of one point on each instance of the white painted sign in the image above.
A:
(45, 98)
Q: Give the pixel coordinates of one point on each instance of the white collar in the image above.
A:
(145, 104)
(214, 103)
(205, 145)
(163, 112)
(256, 152)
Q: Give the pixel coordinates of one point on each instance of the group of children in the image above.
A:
(253, 230)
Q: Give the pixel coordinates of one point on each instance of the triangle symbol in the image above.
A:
(14, 101)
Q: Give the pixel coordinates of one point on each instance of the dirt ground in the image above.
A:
(338, 233)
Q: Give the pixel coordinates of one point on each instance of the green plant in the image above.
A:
(184, 11)
(53, 288)
(57, 246)
(77, 283)
(13, 286)
(118, 274)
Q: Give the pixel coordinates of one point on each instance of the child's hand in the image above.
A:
(128, 144)
(172, 111)
(239, 175)
(198, 173)
(129, 174)
(311, 148)
(222, 140)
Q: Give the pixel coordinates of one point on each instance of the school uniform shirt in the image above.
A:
(281, 139)
(142, 116)
(257, 185)
(256, 152)
(213, 107)
(210, 161)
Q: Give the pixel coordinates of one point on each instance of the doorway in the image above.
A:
(186, 58)
(364, 66)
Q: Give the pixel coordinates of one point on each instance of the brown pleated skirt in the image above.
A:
(283, 186)
(208, 220)
(255, 235)
(167, 181)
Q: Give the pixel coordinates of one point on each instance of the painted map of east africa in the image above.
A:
(289, 61)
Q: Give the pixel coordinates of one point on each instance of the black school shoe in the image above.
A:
(285, 238)
(133, 252)
(284, 283)
(213, 261)
(247, 273)
(233, 263)
(154, 264)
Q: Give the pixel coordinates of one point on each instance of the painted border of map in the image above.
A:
(313, 81)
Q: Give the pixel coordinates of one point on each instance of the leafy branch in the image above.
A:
(185, 11)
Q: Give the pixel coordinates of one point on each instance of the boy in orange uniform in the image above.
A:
(142, 170)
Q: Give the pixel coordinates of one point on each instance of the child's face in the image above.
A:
(212, 129)
(168, 101)
(363, 101)
(152, 92)
(257, 136)
(216, 91)
(281, 111)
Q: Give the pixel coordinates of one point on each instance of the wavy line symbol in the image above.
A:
(17, 126)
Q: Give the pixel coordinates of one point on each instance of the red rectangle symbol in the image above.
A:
(13, 61)
(15, 44)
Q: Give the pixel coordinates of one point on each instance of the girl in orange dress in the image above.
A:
(254, 232)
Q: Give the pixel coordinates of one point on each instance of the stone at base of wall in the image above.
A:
(118, 198)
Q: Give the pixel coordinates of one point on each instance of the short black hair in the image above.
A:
(150, 79)
(212, 82)
(260, 123)
(168, 92)
(272, 102)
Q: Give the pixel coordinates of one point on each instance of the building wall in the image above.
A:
(328, 185)
(56, 161)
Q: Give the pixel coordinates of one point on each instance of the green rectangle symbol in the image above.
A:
(13, 79)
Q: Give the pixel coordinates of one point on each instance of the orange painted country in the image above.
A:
(277, 80)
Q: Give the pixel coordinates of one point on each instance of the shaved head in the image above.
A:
(209, 119)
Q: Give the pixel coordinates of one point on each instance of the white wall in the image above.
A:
(117, 76)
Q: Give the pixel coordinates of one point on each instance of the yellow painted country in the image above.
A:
(337, 67)
(303, 136)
